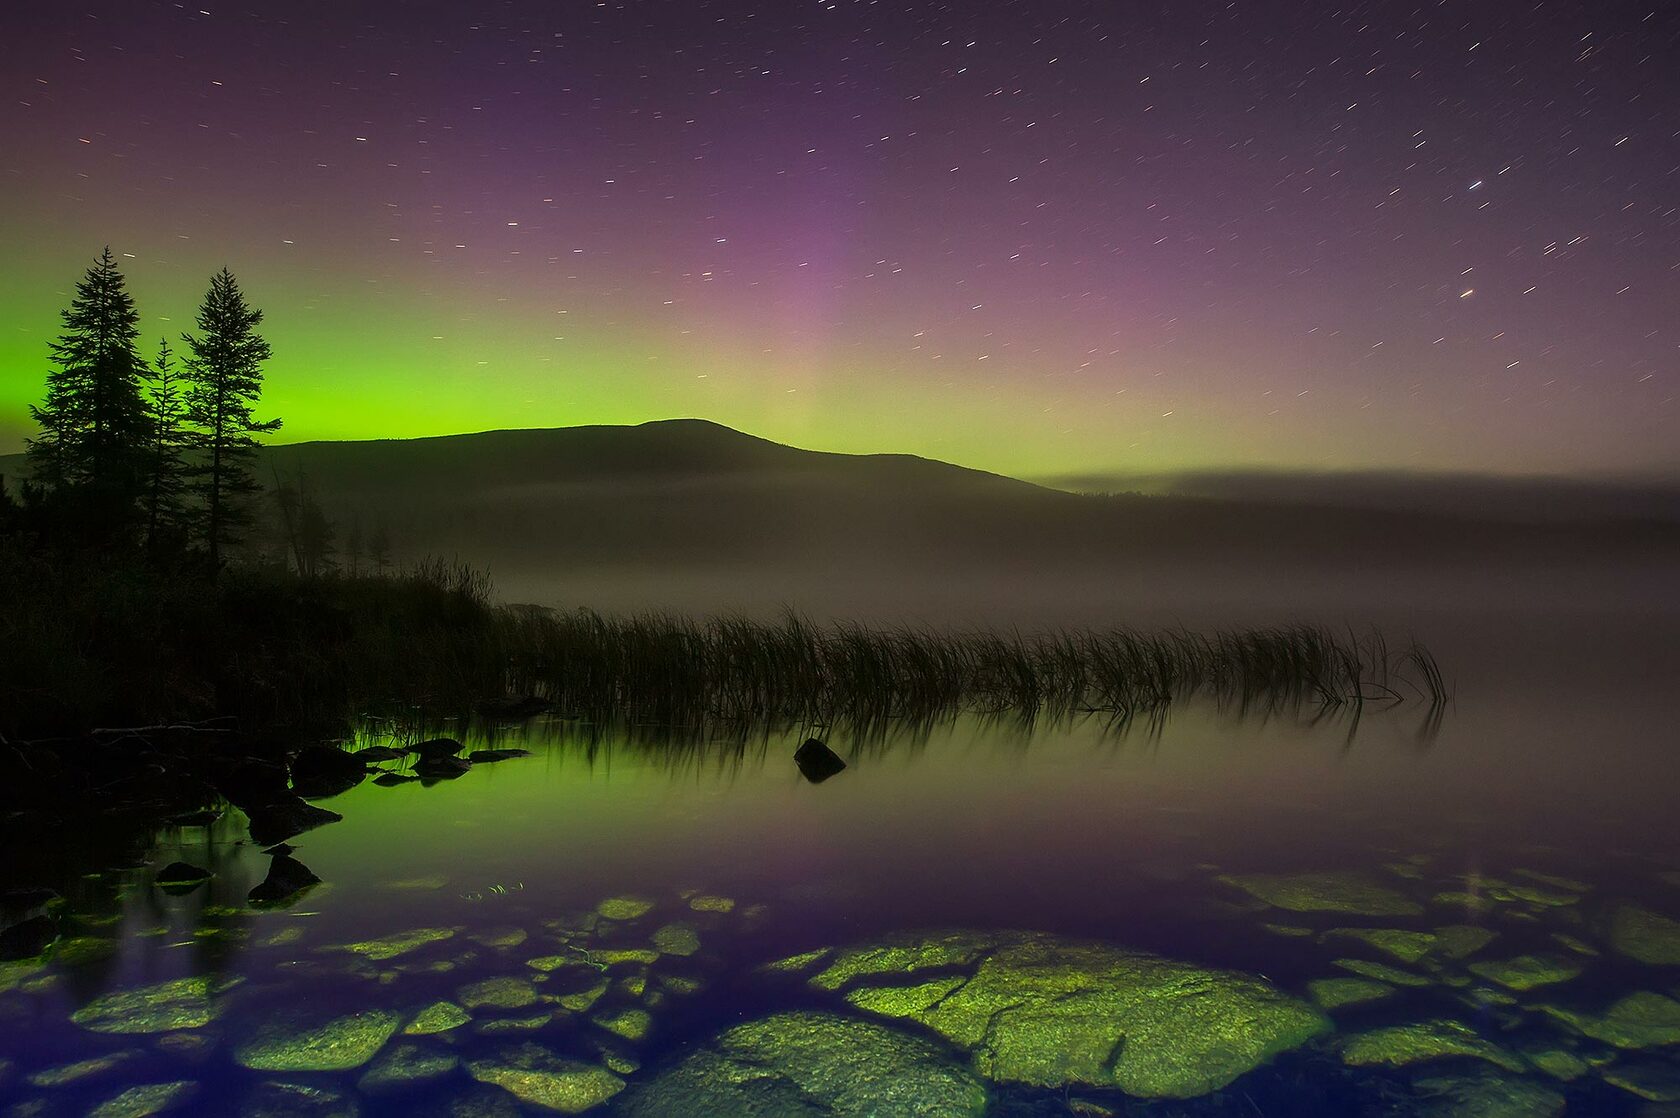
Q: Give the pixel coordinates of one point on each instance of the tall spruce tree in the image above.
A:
(90, 455)
(166, 463)
(224, 382)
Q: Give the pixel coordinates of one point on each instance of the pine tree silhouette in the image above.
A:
(166, 463)
(93, 420)
(224, 382)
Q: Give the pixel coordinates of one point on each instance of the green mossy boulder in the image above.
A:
(1645, 936)
(389, 947)
(631, 1024)
(1487, 1096)
(537, 1077)
(1354, 893)
(1382, 972)
(186, 1003)
(406, 1065)
(676, 939)
(336, 1045)
(1657, 1081)
(1403, 1045)
(145, 1101)
(1337, 993)
(796, 964)
(497, 993)
(90, 1068)
(1644, 1019)
(810, 1065)
(1050, 1012)
(1527, 972)
(1460, 941)
(624, 908)
(1396, 943)
(707, 902)
(1559, 1063)
(440, 1017)
(297, 1100)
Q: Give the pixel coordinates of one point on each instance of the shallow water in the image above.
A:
(1540, 809)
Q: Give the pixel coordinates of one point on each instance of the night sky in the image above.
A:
(1031, 237)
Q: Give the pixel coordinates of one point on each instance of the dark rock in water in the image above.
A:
(280, 849)
(391, 780)
(436, 747)
(441, 767)
(321, 771)
(817, 762)
(253, 782)
(17, 903)
(29, 938)
(287, 878)
(483, 756)
(280, 820)
(376, 753)
(181, 877)
(512, 709)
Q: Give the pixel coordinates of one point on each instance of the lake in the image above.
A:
(1470, 911)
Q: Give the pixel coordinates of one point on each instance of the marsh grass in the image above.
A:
(431, 642)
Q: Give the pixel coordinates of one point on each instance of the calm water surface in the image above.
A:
(1542, 809)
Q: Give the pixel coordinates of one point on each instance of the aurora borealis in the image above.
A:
(1035, 238)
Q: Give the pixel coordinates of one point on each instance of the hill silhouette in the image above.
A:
(691, 514)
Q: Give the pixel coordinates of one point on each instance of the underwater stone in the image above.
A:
(1489, 1096)
(503, 937)
(904, 1001)
(1353, 893)
(582, 1000)
(1640, 1020)
(1382, 972)
(437, 1018)
(1290, 930)
(1559, 1063)
(82, 1069)
(534, 1075)
(1579, 946)
(1335, 993)
(1051, 1012)
(177, 874)
(1406, 946)
(338, 1045)
(287, 879)
(677, 939)
(404, 1065)
(297, 1100)
(619, 956)
(1401, 1045)
(142, 1102)
(1556, 881)
(389, 947)
(706, 902)
(182, 1004)
(817, 762)
(1526, 972)
(624, 908)
(793, 964)
(631, 1024)
(504, 1025)
(1645, 936)
(1460, 941)
(497, 993)
(1649, 1079)
(810, 1065)
(681, 984)
(81, 950)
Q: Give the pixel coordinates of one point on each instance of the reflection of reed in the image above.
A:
(719, 684)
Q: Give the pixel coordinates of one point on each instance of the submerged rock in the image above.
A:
(186, 1003)
(631, 1024)
(1406, 946)
(297, 1100)
(1354, 893)
(439, 1017)
(287, 880)
(817, 762)
(1527, 972)
(1489, 1095)
(534, 1075)
(624, 908)
(441, 768)
(1051, 1012)
(1657, 1081)
(436, 747)
(1401, 1045)
(336, 1045)
(1645, 936)
(706, 902)
(1460, 941)
(143, 1102)
(320, 770)
(405, 1065)
(677, 939)
(1382, 972)
(810, 1065)
(401, 943)
(378, 754)
(497, 993)
(1336, 993)
(491, 756)
(1644, 1019)
(90, 1068)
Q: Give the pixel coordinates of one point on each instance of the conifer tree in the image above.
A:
(379, 549)
(166, 463)
(93, 420)
(224, 376)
